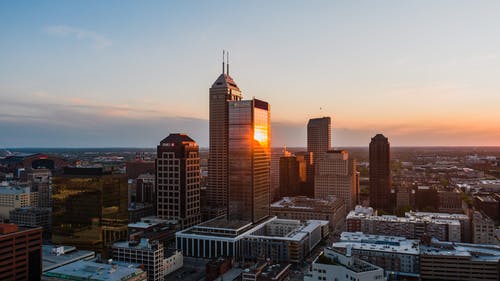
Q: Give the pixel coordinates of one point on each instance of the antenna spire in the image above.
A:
(223, 54)
(227, 53)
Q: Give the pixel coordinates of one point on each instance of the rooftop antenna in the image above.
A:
(223, 53)
(227, 54)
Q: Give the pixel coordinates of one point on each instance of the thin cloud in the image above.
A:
(97, 40)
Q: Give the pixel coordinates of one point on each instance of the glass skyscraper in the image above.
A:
(249, 157)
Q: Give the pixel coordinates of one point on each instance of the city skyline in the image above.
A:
(104, 74)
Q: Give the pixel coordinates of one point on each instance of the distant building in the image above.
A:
(223, 90)
(136, 211)
(319, 137)
(21, 252)
(336, 175)
(89, 208)
(303, 208)
(489, 205)
(32, 217)
(334, 265)
(483, 229)
(426, 198)
(12, 197)
(138, 167)
(153, 229)
(380, 173)
(450, 201)
(178, 180)
(40, 181)
(143, 252)
(444, 227)
(289, 176)
(249, 160)
(145, 189)
(91, 270)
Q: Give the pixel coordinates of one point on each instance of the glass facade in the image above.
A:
(249, 160)
(89, 210)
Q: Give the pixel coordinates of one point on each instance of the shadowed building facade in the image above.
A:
(178, 180)
(223, 90)
(249, 160)
(380, 173)
(89, 208)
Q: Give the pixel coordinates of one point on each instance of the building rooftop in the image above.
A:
(332, 257)
(383, 243)
(143, 244)
(13, 190)
(89, 270)
(177, 139)
(306, 203)
(56, 256)
(479, 252)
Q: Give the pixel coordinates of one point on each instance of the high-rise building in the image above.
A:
(20, 252)
(40, 180)
(380, 173)
(336, 175)
(178, 180)
(319, 136)
(249, 160)
(223, 90)
(89, 208)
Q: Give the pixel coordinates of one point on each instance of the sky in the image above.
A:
(128, 73)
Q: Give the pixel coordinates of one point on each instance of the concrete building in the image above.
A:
(459, 261)
(483, 229)
(40, 181)
(336, 175)
(398, 256)
(445, 227)
(223, 90)
(173, 260)
(450, 201)
(56, 256)
(12, 197)
(91, 270)
(32, 217)
(303, 208)
(333, 265)
(282, 240)
(319, 137)
(380, 173)
(148, 254)
(178, 180)
(20, 253)
(249, 160)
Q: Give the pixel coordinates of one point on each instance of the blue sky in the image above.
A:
(127, 73)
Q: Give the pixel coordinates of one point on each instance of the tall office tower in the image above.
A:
(319, 136)
(380, 173)
(89, 208)
(249, 160)
(40, 180)
(336, 175)
(275, 173)
(289, 176)
(20, 252)
(223, 90)
(178, 180)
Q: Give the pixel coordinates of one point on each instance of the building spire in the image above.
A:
(227, 53)
(223, 65)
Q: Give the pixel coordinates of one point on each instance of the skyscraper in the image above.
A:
(336, 175)
(223, 90)
(319, 136)
(249, 160)
(380, 173)
(89, 208)
(178, 180)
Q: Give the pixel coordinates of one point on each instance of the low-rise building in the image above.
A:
(333, 265)
(91, 270)
(304, 208)
(278, 239)
(483, 229)
(12, 197)
(56, 256)
(32, 217)
(459, 261)
(265, 271)
(444, 227)
(148, 254)
(398, 256)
